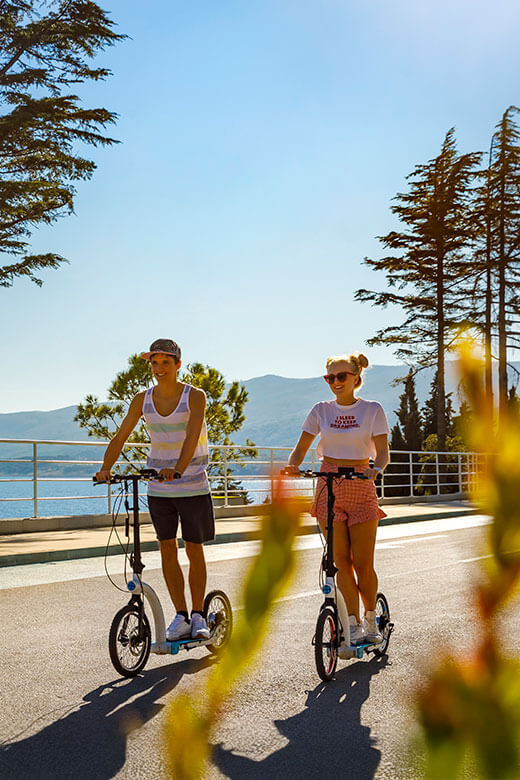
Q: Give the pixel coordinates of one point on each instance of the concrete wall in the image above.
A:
(34, 525)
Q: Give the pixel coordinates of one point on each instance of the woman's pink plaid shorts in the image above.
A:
(355, 500)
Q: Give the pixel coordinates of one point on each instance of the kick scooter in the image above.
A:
(130, 637)
(332, 635)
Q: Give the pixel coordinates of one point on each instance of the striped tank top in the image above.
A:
(167, 435)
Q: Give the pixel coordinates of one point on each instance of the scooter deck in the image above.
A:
(166, 647)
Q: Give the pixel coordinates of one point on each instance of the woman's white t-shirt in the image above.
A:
(346, 431)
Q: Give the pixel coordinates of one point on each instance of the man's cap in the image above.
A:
(167, 346)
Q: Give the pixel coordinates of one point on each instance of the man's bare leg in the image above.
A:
(197, 574)
(173, 573)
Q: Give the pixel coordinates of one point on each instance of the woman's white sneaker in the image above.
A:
(179, 628)
(371, 628)
(357, 635)
(199, 627)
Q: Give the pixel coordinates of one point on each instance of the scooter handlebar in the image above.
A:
(347, 472)
(116, 478)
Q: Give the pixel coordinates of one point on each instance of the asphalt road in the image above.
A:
(66, 714)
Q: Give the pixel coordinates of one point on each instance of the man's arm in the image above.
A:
(197, 405)
(113, 451)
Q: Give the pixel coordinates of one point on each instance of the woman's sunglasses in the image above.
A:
(331, 378)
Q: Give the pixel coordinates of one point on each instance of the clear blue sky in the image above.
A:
(262, 142)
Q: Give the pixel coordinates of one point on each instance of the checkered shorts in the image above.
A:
(355, 500)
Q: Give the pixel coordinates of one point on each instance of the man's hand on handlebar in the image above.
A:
(103, 475)
(168, 475)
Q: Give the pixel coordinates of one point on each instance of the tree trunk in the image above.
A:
(441, 392)
(502, 329)
(488, 327)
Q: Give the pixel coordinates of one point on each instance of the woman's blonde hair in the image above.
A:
(358, 360)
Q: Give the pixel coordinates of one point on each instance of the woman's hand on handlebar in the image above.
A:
(291, 471)
(103, 475)
(372, 473)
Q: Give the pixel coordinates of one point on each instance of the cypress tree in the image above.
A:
(428, 414)
(397, 441)
(409, 416)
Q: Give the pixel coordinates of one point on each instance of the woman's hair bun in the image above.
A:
(362, 360)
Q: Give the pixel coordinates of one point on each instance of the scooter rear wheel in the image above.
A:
(383, 621)
(219, 618)
(130, 640)
(326, 644)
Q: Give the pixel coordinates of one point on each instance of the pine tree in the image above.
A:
(437, 212)
(45, 50)
(505, 243)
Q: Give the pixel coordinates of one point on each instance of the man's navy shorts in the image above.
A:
(195, 513)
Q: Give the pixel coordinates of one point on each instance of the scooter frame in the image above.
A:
(137, 637)
(337, 645)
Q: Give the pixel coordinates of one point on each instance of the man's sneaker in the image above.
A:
(357, 635)
(199, 627)
(371, 628)
(179, 628)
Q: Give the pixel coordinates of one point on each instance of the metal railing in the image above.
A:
(235, 478)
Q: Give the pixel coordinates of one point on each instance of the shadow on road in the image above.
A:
(90, 742)
(326, 739)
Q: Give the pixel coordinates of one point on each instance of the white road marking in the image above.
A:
(389, 536)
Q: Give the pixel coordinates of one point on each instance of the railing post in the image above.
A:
(437, 473)
(225, 478)
(35, 479)
(410, 463)
(271, 467)
(109, 497)
(459, 471)
(313, 456)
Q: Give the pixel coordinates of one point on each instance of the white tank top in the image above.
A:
(167, 435)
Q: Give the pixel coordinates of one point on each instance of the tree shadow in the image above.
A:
(326, 739)
(90, 742)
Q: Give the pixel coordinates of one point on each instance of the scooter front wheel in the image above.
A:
(326, 644)
(219, 617)
(130, 640)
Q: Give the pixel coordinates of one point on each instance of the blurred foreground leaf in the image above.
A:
(191, 719)
(469, 707)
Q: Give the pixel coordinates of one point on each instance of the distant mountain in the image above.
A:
(275, 411)
(278, 405)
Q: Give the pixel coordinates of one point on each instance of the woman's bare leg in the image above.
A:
(343, 560)
(362, 544)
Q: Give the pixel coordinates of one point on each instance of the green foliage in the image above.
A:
(469, 705)
(224, 415)
(45, 51)
(397, 441)
(428, 414)
(409, 429)
(102, 420)
(191, 718)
